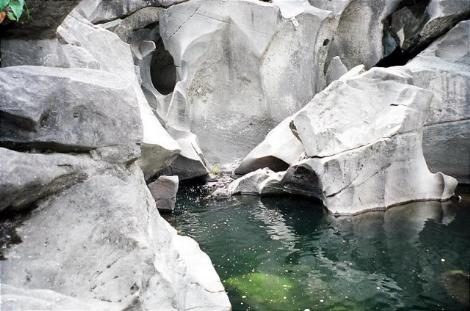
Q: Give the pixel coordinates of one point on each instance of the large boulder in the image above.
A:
(282, 146)
(363, 142)
(84, 45)
(114, 55)
(66, 109)
(117, 250)
(364, 138)
(444, 69)
(241, 66)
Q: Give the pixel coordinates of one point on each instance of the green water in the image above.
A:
(289, 254)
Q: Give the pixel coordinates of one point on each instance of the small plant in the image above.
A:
(11, 9)
(215, 170)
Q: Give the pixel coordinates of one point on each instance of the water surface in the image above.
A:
(289, 254)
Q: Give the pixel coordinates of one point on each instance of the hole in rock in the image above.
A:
(163, 70)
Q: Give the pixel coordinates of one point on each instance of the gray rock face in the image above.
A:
(336, 70)
(25, 178)
(358, 37)
(84, 45)
(191, 162)
(444, 69)
(14, 299)
(257, 182)
(297, 180)
(113, 55)
(137, 21)
(98, 11)
(164, 191)
(282, 146)
(66, 110)
(241, 67)
(128, 255)
(45, 17)
(277, 151)
(363, 137)
(416, 24)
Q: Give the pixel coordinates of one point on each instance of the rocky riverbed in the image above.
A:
(109, 109)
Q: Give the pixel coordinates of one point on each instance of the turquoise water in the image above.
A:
(289, 254)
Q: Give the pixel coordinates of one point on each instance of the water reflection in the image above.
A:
(414, 256)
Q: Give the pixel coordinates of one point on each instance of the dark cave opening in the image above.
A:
(163, 70)
(410, 17)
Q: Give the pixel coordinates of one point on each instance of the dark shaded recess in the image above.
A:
(43, 147)
(305, 180)
(9, 221)
(414, 44)
(42, 21)
(163, 70)
(273, 163)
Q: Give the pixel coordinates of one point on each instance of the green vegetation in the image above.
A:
(215, 170)
(265, 291)
(11, 9)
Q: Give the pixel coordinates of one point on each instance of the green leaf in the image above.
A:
(3, 4)
(16, 6)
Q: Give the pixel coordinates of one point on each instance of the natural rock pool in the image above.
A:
(289, 254)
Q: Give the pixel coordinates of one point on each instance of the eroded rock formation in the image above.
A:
(362, 138)
(78, 140)
(99, 101)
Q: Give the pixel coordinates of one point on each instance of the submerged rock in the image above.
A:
(457, 284)
(164, 191)
(259, 287)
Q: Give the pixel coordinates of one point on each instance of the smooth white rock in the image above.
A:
(363, 137)
(158, 148)
(116, 249)
(241, 67)
(277, 151)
